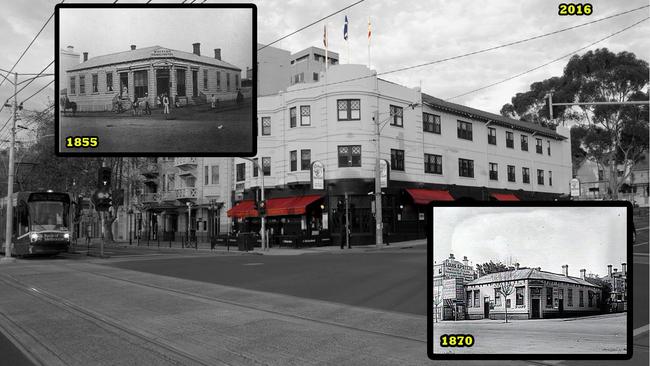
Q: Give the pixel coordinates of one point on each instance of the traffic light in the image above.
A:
(102, 199)
(104, 178)
(262, 208)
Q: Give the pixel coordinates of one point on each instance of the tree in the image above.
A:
(491, 267)
(506, 287)
(611, 135)
(437, 300)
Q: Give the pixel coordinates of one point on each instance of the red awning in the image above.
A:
(290, 205)
(505, 196)
(243, 209)
(275, 206)
(425, 196)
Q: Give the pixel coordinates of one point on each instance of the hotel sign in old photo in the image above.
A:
(163, 80)
(541, 285)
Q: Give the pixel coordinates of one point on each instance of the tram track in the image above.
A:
(150, 342)
(256, 308)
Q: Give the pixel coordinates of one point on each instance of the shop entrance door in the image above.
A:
(195, 80)
(162, 82)
(124, 83)
(486, 307)
(534, 309)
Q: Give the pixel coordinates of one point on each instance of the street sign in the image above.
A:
(575, 187)
(383, 173)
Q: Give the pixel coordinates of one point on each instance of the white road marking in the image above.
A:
(253, 264)
(644, 228)
(636, 245)
(641, 330)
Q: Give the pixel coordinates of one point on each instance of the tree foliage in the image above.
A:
(610, 135)
(491, 267)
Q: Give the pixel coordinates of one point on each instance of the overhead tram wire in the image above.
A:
(29, 45)
(550, 62)
(26, 85)
(470, 53)
(309, 25)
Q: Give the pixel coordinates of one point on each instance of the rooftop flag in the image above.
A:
(345, 29)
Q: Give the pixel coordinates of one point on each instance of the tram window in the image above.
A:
(22, 215)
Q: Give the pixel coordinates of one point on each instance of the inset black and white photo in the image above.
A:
(155, 79)
(530, 280)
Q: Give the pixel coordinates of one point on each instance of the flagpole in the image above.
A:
(325, 42)
(369, 37)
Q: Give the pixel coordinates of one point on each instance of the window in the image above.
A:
(299, 78)
(95, 82)
(305, 115)
(581, 298)
(433, 163)
(510, 140)
(349, 109)
(601, 174)
(492, 136)
(315, 76)
(569, 294)
(396, 159)
(109, 81)
(171, 182)
(548, 147)
(266, 166)
(218, 80)
(205, 79)
(82, 84)
(550, 178)
(525, 175)
(468, 298)
(464, 130)
(397, 114)
(180, 82)
(140, 82)
(293, 160)
(73, 85)
(255, 167)
(524, 143)
(508, 303)
(236, 81)
(477, 304)
(538, 146)
(466, 168)
(590, 295)
(494, 171)
(241, 172)
(511, 173)
(206, 175)
(305, 159)
(549, 297)
(497, 297)
(266, 126)
(540, 177)
(349, 155)
(215, 174)
(431, 123)
(227, 82)
(292, 117)
(519, 294)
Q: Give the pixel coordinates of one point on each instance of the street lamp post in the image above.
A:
(262, 217)
(10, 176)
(189, 221)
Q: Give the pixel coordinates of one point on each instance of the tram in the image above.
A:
(42, 222)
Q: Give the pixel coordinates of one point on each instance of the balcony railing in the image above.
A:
(149, 197)
(187, 193)
(150, 170)
(185, 162)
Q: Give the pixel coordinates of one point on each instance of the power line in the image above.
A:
(26, 85)
(550, 62)
(512, 43)
(39, 90)
(309, 25)
(30, 44)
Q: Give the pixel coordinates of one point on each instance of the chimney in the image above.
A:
(132, 47)
(615, 270)
(465, 261)
(565, 270)
(451, 256)
(516, 265)
(217, 53)
(197, 49)
(583, 273)
(85, 56)
(539, 268)
(609, 270)
(624, 268)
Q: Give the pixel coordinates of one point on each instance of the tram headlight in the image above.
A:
(66, 236)
(33, 237)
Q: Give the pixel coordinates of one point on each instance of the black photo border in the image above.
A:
(89, 152)
(530, 356)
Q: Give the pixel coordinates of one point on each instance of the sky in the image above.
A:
(404, 33)
(546, 237)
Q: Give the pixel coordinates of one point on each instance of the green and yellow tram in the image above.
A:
(42, 222)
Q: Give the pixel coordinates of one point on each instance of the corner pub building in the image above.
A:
(151, 71)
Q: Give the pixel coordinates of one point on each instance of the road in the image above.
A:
(195, 129)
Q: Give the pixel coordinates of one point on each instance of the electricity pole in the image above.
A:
(10, 176)
(378, 209)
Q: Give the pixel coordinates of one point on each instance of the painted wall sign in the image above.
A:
(317, 175)
(575, 187)
(383, 173)
(161, 52)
